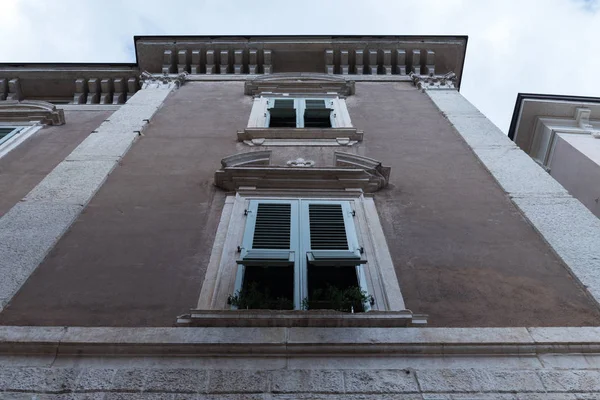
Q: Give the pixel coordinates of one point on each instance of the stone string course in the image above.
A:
(196, 383)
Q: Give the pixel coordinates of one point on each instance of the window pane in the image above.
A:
(335, 288)
(267, 288)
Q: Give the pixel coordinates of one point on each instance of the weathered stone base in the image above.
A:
(299, 363)
(201, 382)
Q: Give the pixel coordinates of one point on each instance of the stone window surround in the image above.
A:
(543, 140)
(220, 278)
(257, 132)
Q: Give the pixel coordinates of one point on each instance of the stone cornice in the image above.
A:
(360, 58)
(344, 55)
(85, 84)
(29, 111)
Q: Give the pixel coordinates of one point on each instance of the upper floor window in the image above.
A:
(7, 132)
(315, 119)
(300, 113)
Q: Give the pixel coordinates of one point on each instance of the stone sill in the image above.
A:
(351, 134)
(305, 319)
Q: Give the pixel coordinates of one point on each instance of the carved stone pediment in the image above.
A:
(254, 169)
(299, 83)
(31, 111)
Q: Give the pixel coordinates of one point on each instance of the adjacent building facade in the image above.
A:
(559, 133)
(283, 217)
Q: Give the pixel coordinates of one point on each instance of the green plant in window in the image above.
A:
(253, 298)
(350, 299)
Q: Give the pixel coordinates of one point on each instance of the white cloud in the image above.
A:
(514, 45)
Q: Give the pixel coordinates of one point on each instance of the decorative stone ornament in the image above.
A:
(432, 82)
(254, 169)
(31, 110)
(164, 81)
(300, 162)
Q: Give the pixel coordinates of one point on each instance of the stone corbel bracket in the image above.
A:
(299, 83)
(10, 89)
(254, 169)
(209, 60)
(31, 111)
(434, 82)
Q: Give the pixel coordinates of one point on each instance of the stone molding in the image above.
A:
(434, 82)
(28, 111)
(265, 136)
(299, 83)
(216, 341)
(298, 318)
(255, 170)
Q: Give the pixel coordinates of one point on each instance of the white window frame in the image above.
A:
(379, 277)
(300, 107)
(260, 116)
(19, 134)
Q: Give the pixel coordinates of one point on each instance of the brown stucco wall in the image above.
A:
(26, 165)
(138, 253)
(463, 254)
(462, 251)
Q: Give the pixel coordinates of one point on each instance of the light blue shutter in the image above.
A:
(270, 234)
(332, 235)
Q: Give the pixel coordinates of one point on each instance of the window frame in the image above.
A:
(379, 274)
(300, 242)
(258, 132)
(300, 107)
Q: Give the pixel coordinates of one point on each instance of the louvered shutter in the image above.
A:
(282, 113)
(317, 113)
(332, 235)
(269, 237)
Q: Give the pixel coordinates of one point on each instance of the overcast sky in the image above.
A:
(543, 46)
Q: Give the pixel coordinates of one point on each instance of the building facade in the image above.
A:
(283, 217)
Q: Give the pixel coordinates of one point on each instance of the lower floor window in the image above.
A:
(300, 254)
